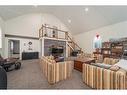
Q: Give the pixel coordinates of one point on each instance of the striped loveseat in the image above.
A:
(100, 78)
(55, 72)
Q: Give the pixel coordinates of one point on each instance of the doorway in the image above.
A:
(14, 48)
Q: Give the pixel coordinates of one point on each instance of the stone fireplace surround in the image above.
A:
(49, 44)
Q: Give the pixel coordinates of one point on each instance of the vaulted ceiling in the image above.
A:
(77, 18)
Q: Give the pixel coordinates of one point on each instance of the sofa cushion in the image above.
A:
(114, 61)
(122, 64)
(102, 65)
(107, 61)
(110, 61)
(114, 68)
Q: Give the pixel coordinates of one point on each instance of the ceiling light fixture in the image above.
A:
(86, 9)
(69, 21)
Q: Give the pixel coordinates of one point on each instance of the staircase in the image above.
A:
(73, 47)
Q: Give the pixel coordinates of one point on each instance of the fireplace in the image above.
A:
(54, 47)
(57, 52)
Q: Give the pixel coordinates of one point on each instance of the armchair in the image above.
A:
(8, 62)
(3, 78)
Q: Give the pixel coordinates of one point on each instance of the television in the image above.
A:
(57, 50)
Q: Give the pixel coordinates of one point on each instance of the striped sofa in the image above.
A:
(55, 72)
(100, 78)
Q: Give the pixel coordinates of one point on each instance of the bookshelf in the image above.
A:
(112, 49)
(97, 53)
(116, 49)
(106, 49)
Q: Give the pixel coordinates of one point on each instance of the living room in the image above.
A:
(73, 47)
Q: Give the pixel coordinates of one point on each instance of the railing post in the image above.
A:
(42, 28)
(39, 33)
(66, 35)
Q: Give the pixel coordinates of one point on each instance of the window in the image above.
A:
(0, 38)
(97, 42)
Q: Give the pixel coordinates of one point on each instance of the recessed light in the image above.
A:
(69, 21)
(86, 9)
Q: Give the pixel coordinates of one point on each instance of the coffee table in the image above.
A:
(79, 62)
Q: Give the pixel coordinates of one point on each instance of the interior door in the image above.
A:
(9, 48)
(14, 48)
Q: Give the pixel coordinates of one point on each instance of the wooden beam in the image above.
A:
(18, 36)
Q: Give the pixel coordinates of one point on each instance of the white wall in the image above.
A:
(2, 29)
(85, 40)
(28, 25)
(23, 45)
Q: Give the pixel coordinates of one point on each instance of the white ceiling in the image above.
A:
(81, 21)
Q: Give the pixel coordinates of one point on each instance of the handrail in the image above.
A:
(40, 33)
(71, 47)
(74, 42)
(67, 37)
(53, 28)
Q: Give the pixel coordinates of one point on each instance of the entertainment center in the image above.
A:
(114, 48)
(56, 48)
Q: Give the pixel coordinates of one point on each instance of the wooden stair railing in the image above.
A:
(44, 27)
(41, 32)
(67, 37)
(75, 44)
(70, 46)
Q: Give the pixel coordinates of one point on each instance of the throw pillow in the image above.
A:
(122, 64)
(102, 65)
(115, 68)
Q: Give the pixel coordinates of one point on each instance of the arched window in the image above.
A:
(0, 38)
(97, 42)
